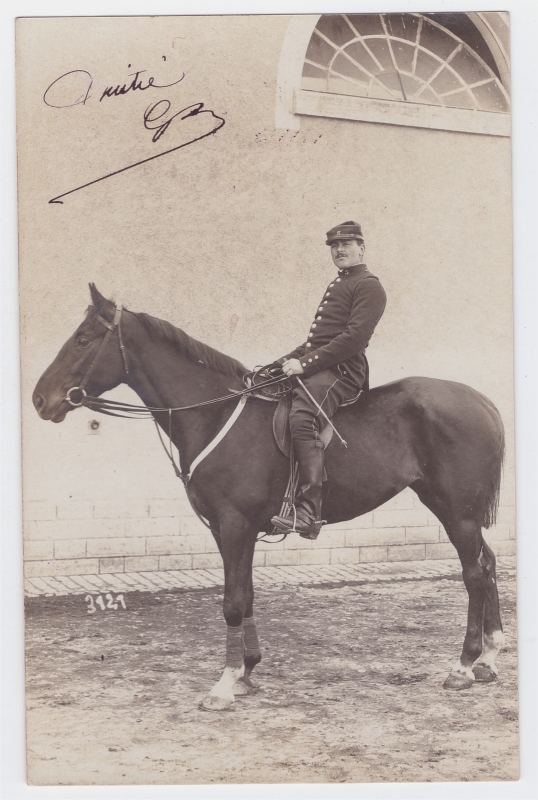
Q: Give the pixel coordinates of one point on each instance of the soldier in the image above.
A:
(333, 364)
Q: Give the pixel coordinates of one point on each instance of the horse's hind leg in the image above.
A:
(484, 668)
(466, 536)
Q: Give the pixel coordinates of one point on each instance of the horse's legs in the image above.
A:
(466, 536)
(484, 668)
(253, 654)
(237, 542)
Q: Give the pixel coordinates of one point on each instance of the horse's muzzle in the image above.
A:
(53, 409)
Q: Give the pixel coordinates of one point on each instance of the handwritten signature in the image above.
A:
(75, 87)
(64, 91)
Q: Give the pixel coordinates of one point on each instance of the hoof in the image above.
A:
(458, 682)
(216, 703)
(244, 686)
(483, 673)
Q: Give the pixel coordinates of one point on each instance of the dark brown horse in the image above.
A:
(442, 439)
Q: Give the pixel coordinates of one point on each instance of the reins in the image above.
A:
(113, 408)
(105, 406)
(130, 411)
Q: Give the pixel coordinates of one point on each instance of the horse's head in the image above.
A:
(71, 366)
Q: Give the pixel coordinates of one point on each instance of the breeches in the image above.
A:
(329, 390)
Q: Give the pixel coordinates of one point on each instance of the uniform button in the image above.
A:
(324, 302)
(321, 307)
(327, 294)
(339, 279)
(316, 357)
(309, 360)
(310, 336)
(319, 317)
(308, 344)
(313, 325)
(304, 365)
(332, 284)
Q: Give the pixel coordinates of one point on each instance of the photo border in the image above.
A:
(523, 38)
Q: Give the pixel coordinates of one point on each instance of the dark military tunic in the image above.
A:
(351, 307)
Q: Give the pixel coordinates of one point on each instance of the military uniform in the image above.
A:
(333, 357)
(335, 369)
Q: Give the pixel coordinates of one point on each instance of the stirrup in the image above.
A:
(294, 523)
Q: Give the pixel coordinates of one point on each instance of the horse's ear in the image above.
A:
(97, 298)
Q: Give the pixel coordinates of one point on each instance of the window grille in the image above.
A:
(405, 58)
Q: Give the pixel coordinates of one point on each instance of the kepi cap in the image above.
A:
(347, 230)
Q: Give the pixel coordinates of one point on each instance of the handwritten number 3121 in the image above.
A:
(101, 603)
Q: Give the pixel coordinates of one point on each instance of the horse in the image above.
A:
(442, 439)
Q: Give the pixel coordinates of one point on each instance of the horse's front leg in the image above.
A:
(237, 541)
(252, 653)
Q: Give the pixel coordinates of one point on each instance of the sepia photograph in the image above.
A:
(267, 393)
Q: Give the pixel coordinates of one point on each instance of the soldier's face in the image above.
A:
(347, 253)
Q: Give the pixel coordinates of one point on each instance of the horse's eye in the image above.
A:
(83, 342)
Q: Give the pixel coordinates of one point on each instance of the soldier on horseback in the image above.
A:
(333, 364)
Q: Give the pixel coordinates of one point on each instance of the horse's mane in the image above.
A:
(194, 350)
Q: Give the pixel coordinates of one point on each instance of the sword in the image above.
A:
(299, 381)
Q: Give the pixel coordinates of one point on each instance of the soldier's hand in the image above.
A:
(292, 367)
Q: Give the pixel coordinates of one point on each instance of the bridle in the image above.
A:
(262, 378)
(114, 408)
(131, 411)
(112, 326)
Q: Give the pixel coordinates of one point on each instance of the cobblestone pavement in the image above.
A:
(263, 577)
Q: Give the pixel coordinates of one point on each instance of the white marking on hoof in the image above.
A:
(210, 703)
(459, 669)
(486, 662)
(459, 678)
(221, 696)
(492, 645)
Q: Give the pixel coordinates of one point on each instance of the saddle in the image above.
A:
(282, 434)
(281, 424)
(281, 395)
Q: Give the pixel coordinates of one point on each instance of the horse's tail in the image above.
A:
(490, 503)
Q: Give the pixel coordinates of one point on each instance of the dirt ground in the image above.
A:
(349, 689)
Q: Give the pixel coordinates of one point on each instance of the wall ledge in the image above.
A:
(391, 112)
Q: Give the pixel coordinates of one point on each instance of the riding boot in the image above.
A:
(306, 519)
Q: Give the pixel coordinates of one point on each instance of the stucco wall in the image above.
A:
(233, 228)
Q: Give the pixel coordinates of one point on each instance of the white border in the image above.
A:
(523, 26)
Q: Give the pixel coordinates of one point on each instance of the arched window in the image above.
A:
(423, 70)
(403, 57)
